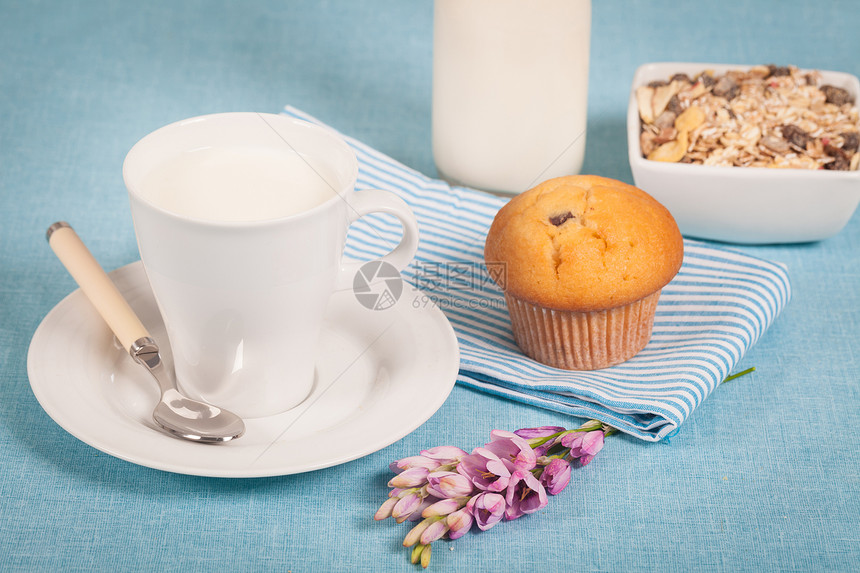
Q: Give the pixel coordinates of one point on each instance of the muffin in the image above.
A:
(584, 259)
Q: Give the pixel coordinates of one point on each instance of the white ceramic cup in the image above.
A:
(243, 301)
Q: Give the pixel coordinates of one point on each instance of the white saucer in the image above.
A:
(380, 375)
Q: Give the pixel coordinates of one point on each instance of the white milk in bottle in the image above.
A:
(510, 88)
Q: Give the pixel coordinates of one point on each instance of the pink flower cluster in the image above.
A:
(448, 491)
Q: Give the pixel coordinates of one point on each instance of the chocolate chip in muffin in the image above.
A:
(559, 220)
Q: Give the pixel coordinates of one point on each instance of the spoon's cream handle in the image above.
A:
(95, 284)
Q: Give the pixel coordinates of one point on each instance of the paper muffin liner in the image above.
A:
(582, 340)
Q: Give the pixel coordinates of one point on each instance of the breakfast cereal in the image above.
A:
(766, 116)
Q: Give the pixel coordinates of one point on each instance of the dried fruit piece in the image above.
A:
(647, 143)
(665, 134)
(674, 105)
(838, 164)
(693, 91)
(662, 96)
(673, 151)
(759, 72)
(707, 79)
(779, 71)
(690, 119)
(666, 119)
(726, 87)
(795, 136)
(850, 140)
(837, 96)
(644, 96)
(841, 159)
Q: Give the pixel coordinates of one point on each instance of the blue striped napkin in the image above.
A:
(720, 303)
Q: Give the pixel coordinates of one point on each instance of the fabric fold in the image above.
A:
(720, 303)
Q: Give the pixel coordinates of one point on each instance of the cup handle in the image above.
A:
(378, 201)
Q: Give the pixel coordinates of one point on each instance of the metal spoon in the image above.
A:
(177, 414)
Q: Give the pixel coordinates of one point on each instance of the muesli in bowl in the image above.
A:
(765, 116)
(703, 139)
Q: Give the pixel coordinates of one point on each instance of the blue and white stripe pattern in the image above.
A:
(720, 303)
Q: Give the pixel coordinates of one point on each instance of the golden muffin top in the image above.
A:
(584, 243)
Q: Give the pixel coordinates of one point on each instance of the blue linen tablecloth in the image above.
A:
(720, 303)
(762, 476)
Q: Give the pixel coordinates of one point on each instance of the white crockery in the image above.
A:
(380, 375)
(744, 204)
(243, 301)
(510, 91)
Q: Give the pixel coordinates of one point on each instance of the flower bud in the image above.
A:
(425, 503)
(541, 432)
(384, 510)
(425, 556)
(459, 523)
(415, 533)
(405, 507)
(583, 445)
(448, 484)
(444, 507)
(444, 454)
(413, 462)
(416, 553)
(412, 477)
(435, 531)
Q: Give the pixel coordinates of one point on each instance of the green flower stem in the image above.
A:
(588, 426)
(536, 442)
(739, 374)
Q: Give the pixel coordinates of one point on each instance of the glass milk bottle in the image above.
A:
(510, 89)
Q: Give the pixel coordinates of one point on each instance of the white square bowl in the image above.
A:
(749, 205)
